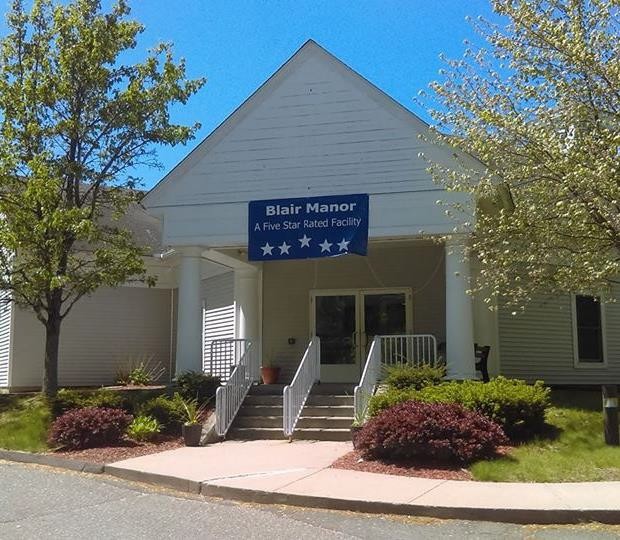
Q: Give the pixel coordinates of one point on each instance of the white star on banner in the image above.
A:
(344, 245)
(326, 246)
(267, 249)
(305, 241)
(284, 248)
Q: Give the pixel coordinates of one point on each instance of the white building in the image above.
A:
(314, 128)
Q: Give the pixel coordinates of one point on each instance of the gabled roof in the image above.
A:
(305, 51)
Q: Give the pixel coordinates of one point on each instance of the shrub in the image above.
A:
(89, 427)
(141, 371)
(519, 408)
(197, 385)
(388, 398)
(143, 428)
(67, 400)
(444, 432)
(169, 412)
(407, 376)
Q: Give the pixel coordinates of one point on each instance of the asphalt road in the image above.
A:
(38, 502)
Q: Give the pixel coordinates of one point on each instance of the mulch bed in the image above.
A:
(124, 450)
(353, 461)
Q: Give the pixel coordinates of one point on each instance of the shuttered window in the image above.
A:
(588, 326)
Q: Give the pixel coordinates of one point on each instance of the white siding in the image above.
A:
(5, 338)
(100, 335)
(316, 128)
(538, 344)
(219, 311)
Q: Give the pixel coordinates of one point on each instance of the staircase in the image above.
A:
(327, 415)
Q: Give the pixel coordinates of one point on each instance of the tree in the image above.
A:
(540, 109)
(75, 122)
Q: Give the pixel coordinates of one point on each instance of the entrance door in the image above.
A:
(347, 320)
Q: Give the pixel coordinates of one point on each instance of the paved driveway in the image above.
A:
(36, 502)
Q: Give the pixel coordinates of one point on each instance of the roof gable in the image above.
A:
(273, 145)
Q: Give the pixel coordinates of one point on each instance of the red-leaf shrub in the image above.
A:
(89, 427)
(437, 431)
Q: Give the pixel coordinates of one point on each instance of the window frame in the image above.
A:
(577, 363)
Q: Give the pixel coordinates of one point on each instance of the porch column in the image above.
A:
(459, 314)
(189, 323)
(246, 302)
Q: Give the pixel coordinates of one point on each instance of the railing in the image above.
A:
(224, 355)
(228, 398)
(370, 377)
(296, 393)
(414, 349)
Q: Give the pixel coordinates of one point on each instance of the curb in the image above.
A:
(505, 515)
(52, 461)
(523, 516)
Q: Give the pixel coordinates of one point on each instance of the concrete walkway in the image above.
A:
(298, 473)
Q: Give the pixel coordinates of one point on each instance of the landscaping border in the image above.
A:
(52, 461)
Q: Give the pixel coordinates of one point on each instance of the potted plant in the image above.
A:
(269, 373)
(356, 427)
(192, 427)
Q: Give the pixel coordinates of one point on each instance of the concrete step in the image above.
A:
(329, 410)
(267, 390)
(333, 389)
(258, 422)
(260, 410)
(318, 434)
(251, 434)
(318, 399)
(259, 399)
(324, 422)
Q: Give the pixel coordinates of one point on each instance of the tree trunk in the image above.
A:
(52, 341)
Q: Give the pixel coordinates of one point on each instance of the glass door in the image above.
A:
(336, 323)
(348, 320)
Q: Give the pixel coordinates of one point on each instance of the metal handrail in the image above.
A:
(295, 394)
(414, 349)
(368, 382)
(229, 398)
(224, 354)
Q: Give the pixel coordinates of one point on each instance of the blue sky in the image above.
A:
(237, 44)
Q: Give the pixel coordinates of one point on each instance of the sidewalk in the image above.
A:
(298, 473)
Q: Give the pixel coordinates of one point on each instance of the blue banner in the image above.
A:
(308, 227)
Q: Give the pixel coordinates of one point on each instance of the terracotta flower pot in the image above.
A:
(191, 434)
(270, 374)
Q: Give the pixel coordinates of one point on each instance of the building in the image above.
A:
(315, 128)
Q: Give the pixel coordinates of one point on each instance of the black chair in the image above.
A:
(481, 353)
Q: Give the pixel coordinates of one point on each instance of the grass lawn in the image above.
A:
(24, 421)
(576, 454)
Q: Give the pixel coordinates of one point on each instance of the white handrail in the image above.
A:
(228, 398)
(295, 394)
(370, 377)
(414, 349)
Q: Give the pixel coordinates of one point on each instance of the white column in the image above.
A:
(247, 303)
(459, 315)
(189, 323)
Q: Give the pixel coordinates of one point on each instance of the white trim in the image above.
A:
(577, 364)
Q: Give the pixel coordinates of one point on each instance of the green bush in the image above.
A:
(406, 376)
(67, 400)
(197, 385)
(143, 428)
(169, 412)
(519, 408)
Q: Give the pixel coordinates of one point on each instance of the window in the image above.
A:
(588, 326)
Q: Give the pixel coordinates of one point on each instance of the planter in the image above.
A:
(270, 375)
(191, 434)
(354, 433)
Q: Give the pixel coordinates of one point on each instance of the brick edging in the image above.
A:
(52, 461)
